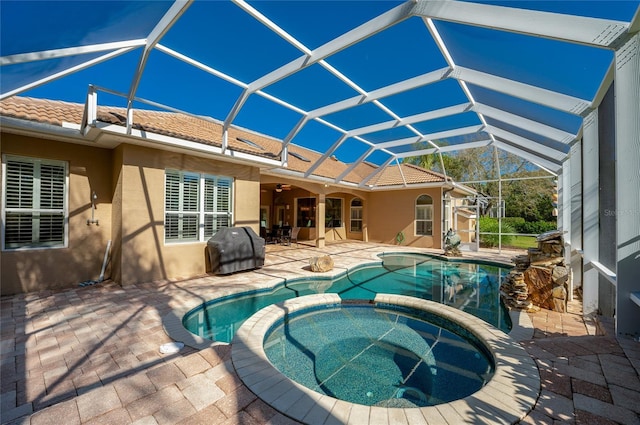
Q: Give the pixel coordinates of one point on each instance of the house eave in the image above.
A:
(109, 136)
(174, 144)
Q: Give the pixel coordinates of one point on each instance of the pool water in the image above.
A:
(417, 359)
(469, 286)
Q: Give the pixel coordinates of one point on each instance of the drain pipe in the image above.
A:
(104, 262)
(443, 218)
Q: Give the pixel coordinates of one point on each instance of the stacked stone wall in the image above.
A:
(540, 278)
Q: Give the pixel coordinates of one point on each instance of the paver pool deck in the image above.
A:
(90, 355)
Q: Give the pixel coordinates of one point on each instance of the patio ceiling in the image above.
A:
(374, 81)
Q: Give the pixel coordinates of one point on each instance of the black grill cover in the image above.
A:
(234, 249)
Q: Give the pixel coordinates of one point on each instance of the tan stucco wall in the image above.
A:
(360, 236)
(394, 211)
(129, 183)
(116, 216)
(89, 170)
(145, 255)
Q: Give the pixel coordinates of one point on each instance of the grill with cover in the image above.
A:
(235, 249)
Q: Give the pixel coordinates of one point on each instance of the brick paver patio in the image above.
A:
(90, 355)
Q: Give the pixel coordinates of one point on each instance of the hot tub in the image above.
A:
(508, 378)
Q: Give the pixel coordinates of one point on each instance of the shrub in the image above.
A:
(514, 222)
(491, 225)
(536, 227)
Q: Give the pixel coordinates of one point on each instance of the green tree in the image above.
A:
(529, 199)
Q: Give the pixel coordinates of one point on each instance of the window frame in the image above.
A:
(309, 212)
(427, 208)
(64, 211)
(333, 220)
(353, 208)
(203, 211)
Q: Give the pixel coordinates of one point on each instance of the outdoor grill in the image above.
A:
(234, 249)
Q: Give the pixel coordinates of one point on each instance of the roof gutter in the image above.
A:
(67, 132)
(461, 188)
(71, 133)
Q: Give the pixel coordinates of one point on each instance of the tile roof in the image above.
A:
(409, 173)
(209, 132)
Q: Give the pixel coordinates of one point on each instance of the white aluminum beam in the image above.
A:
(634, 25)
(603, 33)
(524, 123)
(404, 180)
(425, 116)
(405, 85)
(605, 84)
(350, 38)
(444, 149)
(534, 159)
(200, 66)
(68, 51)
(293, 41)
(627, 196)
(65, 72)
(376, 171)
(433, 136)
(564, 205)
(573, 252)
(355, 164)
(354, 36)
(271, 25)
(326, 155)
(555, 100)
(402, 86)
(590, 214)
(295, 130)
(527, 144)
(170, 17)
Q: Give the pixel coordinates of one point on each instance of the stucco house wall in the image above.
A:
(89, 170)
(392, 212)
(145, 254)
(129, 185)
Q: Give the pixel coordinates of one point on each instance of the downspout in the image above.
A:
(443, 220)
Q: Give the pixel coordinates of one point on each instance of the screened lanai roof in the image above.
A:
(364, 81)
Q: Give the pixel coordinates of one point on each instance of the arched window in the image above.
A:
(356, 215)
(424, 215)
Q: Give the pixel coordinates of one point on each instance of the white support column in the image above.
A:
(499, 209)
(574, 256)
(564, 204)
(90, 114)
(627, 107)
(590, 215)
(320, 224)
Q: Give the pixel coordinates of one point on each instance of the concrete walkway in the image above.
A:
(91, 355)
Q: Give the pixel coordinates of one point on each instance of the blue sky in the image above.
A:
(221, 35)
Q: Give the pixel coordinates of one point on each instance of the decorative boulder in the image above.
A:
(321, 264)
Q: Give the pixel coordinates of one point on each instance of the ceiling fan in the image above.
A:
(281, 187)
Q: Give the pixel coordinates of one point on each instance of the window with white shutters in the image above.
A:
(196, 205)
(34, 203)
(217, 205)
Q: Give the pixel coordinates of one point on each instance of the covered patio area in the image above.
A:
(91, 355)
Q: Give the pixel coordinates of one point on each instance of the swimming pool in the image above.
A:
(473, 287)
